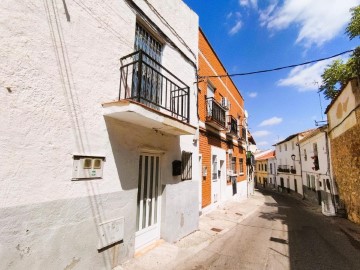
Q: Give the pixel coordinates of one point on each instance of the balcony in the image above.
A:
(151, 96)
(242, 134)
(283, 169)
(232, 126)
(286, 169)
(215, 115)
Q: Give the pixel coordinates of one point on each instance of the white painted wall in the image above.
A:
(283, 157)
(307, 165)
(272, 174)
(321, 175)
(55, 74)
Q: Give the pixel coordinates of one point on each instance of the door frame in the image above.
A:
(151, 233)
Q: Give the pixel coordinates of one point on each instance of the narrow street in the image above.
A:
(282, 234)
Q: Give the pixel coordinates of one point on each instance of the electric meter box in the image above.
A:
(87, 167)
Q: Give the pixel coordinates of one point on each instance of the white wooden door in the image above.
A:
(215, 183)
(148, 200)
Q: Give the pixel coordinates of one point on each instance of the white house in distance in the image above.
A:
(289, 164)
(96, 163)
(317, 181)
(272, 170)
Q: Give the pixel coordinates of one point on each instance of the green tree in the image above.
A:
(337, 74)
(334, 78)
(353, 29)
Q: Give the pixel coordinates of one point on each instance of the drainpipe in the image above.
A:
(301, 176)
(247, 149)
(247, 167)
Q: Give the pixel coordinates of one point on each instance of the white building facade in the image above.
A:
(96, 163)
(288, 178)
(272, 169)
(316, 171)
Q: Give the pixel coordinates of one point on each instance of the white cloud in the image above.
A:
(262, 143)
(253, 94)
(307, 77)
(247, 3)
(234, 19)
(235, 28)
(260, 133)
(271, 121)
(319, 21)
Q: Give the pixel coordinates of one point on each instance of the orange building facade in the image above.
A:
(222, 132)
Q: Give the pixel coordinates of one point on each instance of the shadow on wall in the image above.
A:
(304, 230)
(126, 142)
(125, 153)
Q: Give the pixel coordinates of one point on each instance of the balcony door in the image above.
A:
(210, 93)
(148, 216)
(151, 79)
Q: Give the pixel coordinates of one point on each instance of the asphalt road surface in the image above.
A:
(282, 234)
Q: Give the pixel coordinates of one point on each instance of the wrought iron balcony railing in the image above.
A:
(286, 169)
(144, 80)
(215, 112)
(232, 126)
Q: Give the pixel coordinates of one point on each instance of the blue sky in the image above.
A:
(250, 35)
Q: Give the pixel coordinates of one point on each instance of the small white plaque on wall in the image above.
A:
(111, 232)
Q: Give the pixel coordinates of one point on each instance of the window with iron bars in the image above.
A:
(150, 91)
(241, 165)
(186, 165)
(233, 164)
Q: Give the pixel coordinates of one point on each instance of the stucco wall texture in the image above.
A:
(59, 63)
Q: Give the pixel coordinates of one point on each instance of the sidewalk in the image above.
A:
(163, 255)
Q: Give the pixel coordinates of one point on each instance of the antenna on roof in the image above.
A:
(321, 109)
(318, 123)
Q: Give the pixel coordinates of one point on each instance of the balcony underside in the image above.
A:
(141, 115)
(215, 124)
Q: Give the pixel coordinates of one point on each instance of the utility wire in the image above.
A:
(275, 69)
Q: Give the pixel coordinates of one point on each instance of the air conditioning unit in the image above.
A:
(225, 103)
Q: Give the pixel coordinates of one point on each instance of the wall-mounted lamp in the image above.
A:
(293, 157)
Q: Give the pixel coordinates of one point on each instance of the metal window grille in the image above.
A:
(241, 165)
(233, 164)
(186, 165)
(146, 42)
(150, 73)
